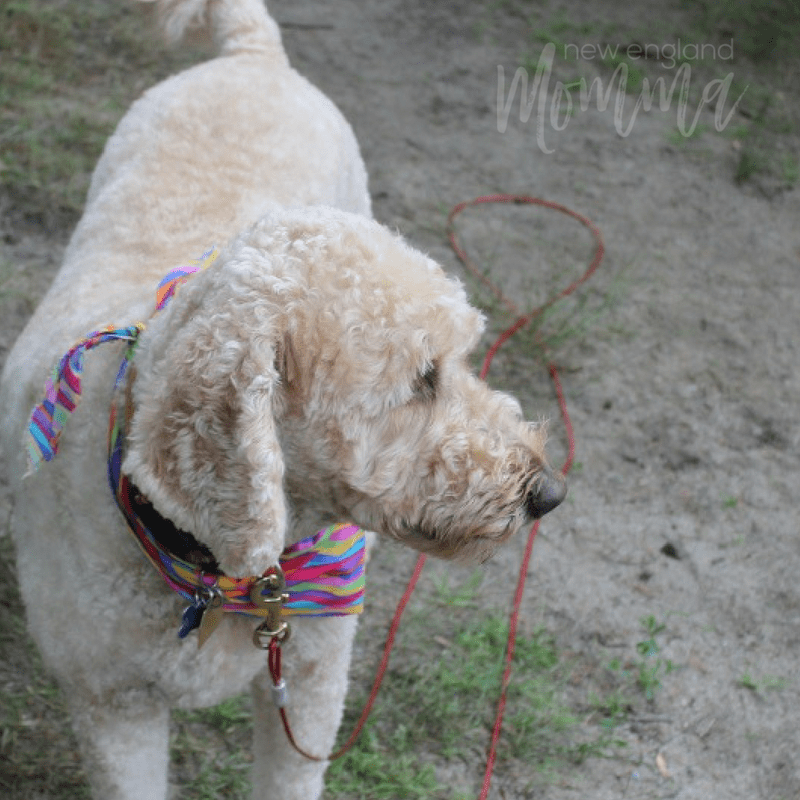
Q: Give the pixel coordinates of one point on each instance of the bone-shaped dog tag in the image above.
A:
(211, 617)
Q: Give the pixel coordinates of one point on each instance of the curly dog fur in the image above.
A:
(315, 373)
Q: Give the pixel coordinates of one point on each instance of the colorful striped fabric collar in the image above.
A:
(324, 573)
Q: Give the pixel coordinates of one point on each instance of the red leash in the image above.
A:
(521, 321)
(518, 595)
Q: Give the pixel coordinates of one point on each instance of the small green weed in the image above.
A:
(648, 649)
(570, 319)
(737, 541)
(791, 170)
(679, 139)
(765, 684)
(614, 707)
(642, 674)
(750, 163)
(748, 683)
(627, 73)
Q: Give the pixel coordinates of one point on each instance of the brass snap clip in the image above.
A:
(269, 592)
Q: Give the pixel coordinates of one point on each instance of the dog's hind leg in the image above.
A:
(315, 664)
(125, 748)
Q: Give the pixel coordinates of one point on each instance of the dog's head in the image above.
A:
(319, 371)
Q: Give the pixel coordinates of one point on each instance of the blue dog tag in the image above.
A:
(192, 617)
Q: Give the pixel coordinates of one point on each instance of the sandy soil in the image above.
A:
(683, 396)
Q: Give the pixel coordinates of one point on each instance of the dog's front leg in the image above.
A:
(314, 665)
(125, 745)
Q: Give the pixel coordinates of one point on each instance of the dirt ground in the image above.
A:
(683, 395)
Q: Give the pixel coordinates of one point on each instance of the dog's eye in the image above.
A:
(427, 383)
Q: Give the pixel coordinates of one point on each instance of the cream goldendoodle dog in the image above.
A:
(306, 382)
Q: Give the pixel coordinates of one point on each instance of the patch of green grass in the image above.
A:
(373, 770)
(443, 708)
(226, 775)
(737, 132)
(447, 699)
(210, 750)
(225, 717)
(464, 595)
(737, 541)
(761, 29)
(626, 72)
(550, 35)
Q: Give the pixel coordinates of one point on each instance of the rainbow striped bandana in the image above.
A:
(323, 573)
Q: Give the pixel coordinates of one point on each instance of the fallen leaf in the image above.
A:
(661, 763)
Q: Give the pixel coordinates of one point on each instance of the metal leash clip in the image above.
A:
(269, 592)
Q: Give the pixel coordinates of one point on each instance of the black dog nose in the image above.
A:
(547, 494)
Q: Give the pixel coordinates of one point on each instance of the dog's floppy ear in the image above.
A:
(203, 442)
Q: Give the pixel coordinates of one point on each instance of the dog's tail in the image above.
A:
(237, 25)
